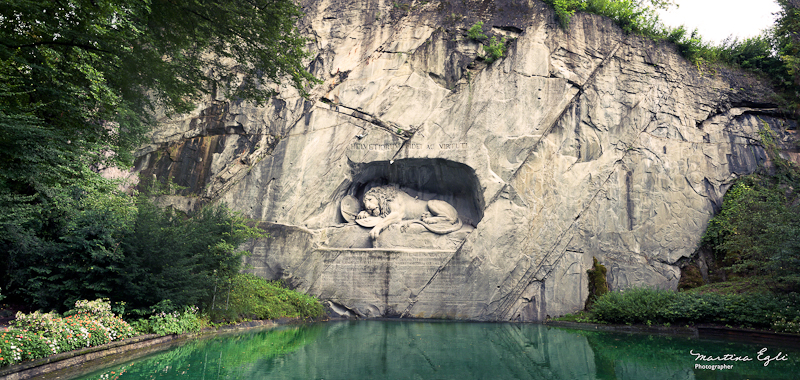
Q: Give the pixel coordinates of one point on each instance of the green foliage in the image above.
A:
(72, 251)
(252, 297)
(475, 32)
(565, 9)
(775, 53)
(597, 282)
(171, 257)
(757, 231)
(79, 84)
(38, 335)
(166, 322)
(18, 345)
(636, 305)
(692, 46)
(495, 50)
(786, 37)
(780, 324)
(110, 245)
(100, 308)
(752, 53)
(632, 16)
(648, 306)
(744, 232)
(582, 316)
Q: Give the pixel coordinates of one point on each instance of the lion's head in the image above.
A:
(383, 194)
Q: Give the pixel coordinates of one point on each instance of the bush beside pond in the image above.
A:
(252, 297)
(92, 323)
(37, 335)
(656, 306)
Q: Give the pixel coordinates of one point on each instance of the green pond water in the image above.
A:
(461, 351)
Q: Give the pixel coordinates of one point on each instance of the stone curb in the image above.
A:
(641, 329)
(76, 358)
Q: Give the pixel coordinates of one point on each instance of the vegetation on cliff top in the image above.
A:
(775, 53)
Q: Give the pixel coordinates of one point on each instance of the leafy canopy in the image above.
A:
(127, 250)
(81, 82)
(94, 70)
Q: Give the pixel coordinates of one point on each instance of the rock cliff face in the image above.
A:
(579, 143)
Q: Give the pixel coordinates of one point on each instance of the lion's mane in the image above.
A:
(383, 194)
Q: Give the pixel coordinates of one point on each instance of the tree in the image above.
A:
(787, 41)
(89, 73)
(79, 83)
(169, 256)
(757, 232)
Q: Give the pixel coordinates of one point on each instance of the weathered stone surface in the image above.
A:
(579, 143)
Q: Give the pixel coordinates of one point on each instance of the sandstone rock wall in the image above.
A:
(579, 143)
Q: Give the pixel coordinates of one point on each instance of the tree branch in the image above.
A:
(57, 43)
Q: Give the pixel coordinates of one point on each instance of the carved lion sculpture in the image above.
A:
(387, 205)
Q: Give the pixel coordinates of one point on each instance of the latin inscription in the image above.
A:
(364, 274)
(412, 146)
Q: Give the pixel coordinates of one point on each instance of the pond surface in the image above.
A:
(462, 351)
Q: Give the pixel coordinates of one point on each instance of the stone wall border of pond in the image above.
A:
(67, 363)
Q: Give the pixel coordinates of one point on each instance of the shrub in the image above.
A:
(252, 297)
(635, 305)
(757, 232)
(91, 323)
(495, 50)
(116, 246)
(598, 285)
(98, 308)
(565, 9)
(165, 323)
(21, 345)
(165, 319)
(37, 334)
(171, 257)
(780, 324)
(475, 32)
(646, 305)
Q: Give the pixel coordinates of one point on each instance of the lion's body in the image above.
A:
(395, 206)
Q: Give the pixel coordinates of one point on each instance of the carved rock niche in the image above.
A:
(416, 203)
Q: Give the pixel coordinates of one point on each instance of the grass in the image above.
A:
(736, 285)
(252, 297)
(582, 316)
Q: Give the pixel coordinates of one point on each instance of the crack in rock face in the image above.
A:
(421, 180)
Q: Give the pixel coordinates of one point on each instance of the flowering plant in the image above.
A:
(37, 334)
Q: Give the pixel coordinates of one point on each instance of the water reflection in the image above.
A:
(425, 350)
